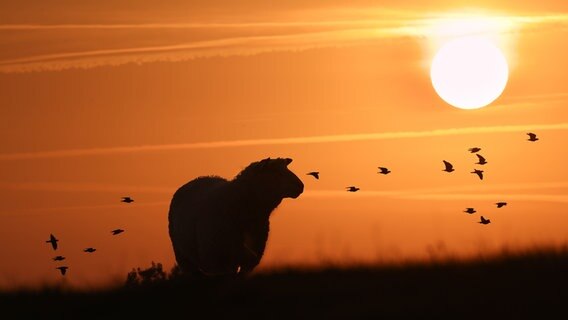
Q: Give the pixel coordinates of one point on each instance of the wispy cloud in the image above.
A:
(235, 46)
(285, 141)
(82, 187)
(343, 33)
(83, 208)
(251, 25)
(404, 195)
(489, 196)
(506, 191)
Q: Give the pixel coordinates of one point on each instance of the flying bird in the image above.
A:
(482, 160)
(62, 269)
(449, 166)
(314, 173)
(127, 199)
(90, 250)
(501, 204)
(478, 172)
(352, 189)
(474, 149)
(484, 221)
(116, 231)
(53, 241)
(384, 170)
(470, 210)
(532, 137)
(59, 258)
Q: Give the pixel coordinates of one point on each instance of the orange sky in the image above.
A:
(136, 98)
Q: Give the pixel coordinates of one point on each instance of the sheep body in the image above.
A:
(220, 227)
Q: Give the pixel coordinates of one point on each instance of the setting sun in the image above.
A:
(469, 72)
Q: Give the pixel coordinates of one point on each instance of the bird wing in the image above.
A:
(481, 158)
(480, 174)
(54, 243)
(448, 165)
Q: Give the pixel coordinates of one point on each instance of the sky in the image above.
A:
(136, 98)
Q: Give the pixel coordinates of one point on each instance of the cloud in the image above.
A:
(284, 141)
(298, 36)
(74, 209)
(489, 196)
(251, 25)
(506, 191)
(234, 46)
(82, 187)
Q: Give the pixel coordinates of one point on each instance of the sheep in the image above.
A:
(219, 227)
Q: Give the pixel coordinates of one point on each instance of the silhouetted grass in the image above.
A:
(531, 284)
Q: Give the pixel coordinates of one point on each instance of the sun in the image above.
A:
(469, 72)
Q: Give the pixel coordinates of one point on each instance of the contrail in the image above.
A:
(384, 19)
(284, 141)
(75, 209)
(441, 192)
(348, 33)
(408, 195)
(488, 196)
(244, 45)
(82, 187)
(283, 24)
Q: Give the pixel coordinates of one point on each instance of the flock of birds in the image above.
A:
(448, 167)
(53, 241)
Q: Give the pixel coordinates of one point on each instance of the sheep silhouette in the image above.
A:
(219, 227)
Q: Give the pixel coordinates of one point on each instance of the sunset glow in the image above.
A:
(105, 100)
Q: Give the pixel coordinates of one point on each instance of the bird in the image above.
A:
(384, 170)
(532, 137)
(478, 172)
(474, 149)
(59, 258)
(449, 166)
(484, 221)
(352, 189)
(62, 269)
(53, 241)
(482, 160)
(501, 204)
(314, 173)
(90, 250)
(116, 231)
(127, 199)
(470, 210)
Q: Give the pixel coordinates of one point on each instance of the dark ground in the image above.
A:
(531, 285)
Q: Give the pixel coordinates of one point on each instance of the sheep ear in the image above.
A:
(288, 161)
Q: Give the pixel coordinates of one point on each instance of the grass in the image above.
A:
(531, 284)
